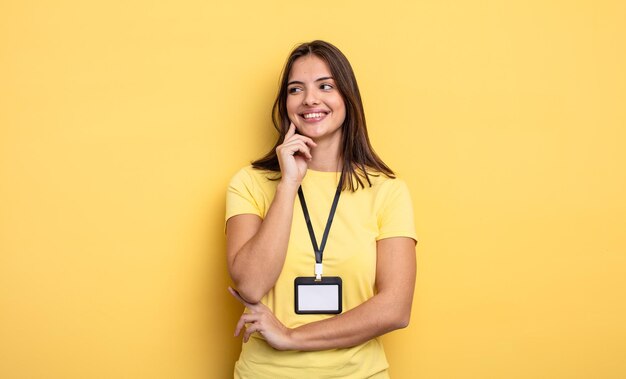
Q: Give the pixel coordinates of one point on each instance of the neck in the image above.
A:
(326, 155)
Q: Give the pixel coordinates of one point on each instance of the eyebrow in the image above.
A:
(316, 80)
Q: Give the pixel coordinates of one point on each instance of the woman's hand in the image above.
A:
(261, 319)
(293, 155)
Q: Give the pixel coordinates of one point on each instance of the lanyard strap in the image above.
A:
(319, 251)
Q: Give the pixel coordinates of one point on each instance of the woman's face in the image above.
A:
(314, 103)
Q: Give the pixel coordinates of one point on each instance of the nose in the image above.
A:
(310, 98)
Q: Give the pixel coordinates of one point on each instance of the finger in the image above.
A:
(248, 333)
(243, 320)
(291, 131)
(306, 152)
(310, 142)
(297, 146)
(250, 330)
(301, 137)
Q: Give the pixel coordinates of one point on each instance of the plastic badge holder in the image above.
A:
(318, 296)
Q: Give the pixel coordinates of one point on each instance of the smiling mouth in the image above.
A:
(313, 115)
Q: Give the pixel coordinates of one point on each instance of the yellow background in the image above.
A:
(121, 123)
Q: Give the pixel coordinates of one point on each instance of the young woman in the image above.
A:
(275, 253)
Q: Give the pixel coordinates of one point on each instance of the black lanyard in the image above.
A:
(319, 251)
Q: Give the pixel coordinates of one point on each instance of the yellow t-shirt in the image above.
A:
(381, 211)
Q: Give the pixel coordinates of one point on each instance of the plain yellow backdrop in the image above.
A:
(121, 123)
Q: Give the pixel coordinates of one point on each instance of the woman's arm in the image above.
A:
(256, 248)
(388, 310)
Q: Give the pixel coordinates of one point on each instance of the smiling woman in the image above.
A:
(314, 103)
(313, 311)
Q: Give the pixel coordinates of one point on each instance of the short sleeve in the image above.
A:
(243, 196)
(395, 218)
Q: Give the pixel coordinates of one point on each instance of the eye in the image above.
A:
(292, 90)
(326, 87)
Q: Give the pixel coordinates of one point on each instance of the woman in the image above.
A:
(322, 148)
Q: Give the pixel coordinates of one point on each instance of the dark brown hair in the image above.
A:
(359, 159)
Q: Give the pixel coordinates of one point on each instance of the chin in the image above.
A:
(321, 134)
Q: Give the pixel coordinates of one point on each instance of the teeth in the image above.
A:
(313, 115)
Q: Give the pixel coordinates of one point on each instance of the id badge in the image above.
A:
(317, 296)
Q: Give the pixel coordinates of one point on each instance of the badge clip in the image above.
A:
(319, 270)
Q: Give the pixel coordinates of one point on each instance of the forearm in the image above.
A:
(255, 267)
(389, 309)
(379, 315)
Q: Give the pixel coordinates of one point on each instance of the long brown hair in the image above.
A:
(359, 159)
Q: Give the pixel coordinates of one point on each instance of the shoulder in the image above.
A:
(382, 191)
(387, 192)
(249, 175)
(381, 182)
(393, 207)
(250, 191)
(248, 172)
